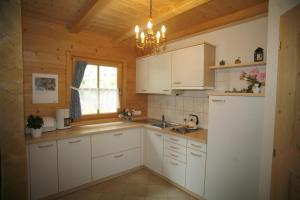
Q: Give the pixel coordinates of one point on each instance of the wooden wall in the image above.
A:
(47, 48)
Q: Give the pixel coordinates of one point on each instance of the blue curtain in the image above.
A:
(75, 110)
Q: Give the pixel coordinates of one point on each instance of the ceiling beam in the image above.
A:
(87, 13)
(172, 12)
(246, 13)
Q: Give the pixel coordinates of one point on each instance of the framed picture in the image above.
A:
(44, 88)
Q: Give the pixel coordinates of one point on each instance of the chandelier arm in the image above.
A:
(150, 9)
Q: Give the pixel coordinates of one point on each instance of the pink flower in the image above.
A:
(254, 72)
(261, 77)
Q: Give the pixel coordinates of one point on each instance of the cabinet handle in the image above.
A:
(176, 156)
(176, 82)
(173, 163)
(194, 154)
(118, 134)
(218, 100)
(118, 156)
(159, 135)
(194, 145)
(144, 90)
(166, 90)
(75, 141)
(174, 147)
(174, 139)
(45, 146)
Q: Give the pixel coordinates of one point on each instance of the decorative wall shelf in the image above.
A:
(237, 65)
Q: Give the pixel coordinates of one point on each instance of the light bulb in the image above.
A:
(149, 25)
(157, 37)
(163, 30)
(142, 37)
(137, 30)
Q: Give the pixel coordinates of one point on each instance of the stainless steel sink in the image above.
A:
(163, 125)
(184, 130)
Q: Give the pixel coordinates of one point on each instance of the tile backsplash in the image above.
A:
(177, 108)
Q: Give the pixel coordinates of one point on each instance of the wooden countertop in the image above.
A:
(77, 131)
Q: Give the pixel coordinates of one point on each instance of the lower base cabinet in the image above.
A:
(115, 163)
(174, 170)
(74, 162)
(195, 171)
(42, 165)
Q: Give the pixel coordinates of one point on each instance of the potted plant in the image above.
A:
(255, 80)
(35, 123)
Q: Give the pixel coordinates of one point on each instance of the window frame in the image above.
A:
(119, 67)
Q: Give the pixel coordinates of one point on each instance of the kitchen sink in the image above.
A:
(163, 125)
(184, 130)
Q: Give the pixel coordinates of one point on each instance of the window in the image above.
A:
(99, 90)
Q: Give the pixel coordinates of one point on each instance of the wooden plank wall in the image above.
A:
(47, 48)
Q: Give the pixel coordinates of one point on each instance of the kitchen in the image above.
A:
(109, 117)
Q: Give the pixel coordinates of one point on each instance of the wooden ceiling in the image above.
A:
(117, 18)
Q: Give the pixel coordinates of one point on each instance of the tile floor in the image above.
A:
(138, 185)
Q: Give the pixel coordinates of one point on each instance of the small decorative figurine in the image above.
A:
(259, 54)
(222, 62)
(238, 61)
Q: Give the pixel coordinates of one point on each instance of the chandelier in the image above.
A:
(149, 41)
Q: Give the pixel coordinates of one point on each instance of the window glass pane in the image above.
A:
(89, 101)
(90, 77)
(109, 93)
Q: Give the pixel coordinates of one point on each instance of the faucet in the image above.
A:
(163, 121)
(197, 118)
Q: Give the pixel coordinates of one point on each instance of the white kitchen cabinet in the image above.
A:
(116, 141)
(174, 170)
(43, 169)
(190, 67)
(142, 75)
(74, 162)
(154, 154)
(195, 171)
(160, 74)
(115, 163)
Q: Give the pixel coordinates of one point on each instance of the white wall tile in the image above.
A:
(188, 104)
(179, 103)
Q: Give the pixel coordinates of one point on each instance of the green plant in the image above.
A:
(35, 122)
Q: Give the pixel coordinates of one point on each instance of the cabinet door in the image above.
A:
(174, 170)
(115, 163)
(154, 150)
(142, 77)
(43, 169)
(188, 67)
(160, 74)
(74, 162)
(195, 171)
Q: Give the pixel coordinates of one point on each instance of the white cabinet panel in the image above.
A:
(43, 169)
(154, 150)
(175, 155)
(142, 77)
(196, 145)
(175, 147)
(195, 171)
(74, 162)
(111, 164)
(112, 142)
(175, 139)
(160, 73)
(174, 170)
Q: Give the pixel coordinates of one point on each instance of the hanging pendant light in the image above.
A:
(150, 41)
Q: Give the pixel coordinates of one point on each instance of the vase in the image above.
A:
(256, 89)
(36, 133)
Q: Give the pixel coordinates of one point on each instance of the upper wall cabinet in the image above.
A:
(190, 67)
(154, 74)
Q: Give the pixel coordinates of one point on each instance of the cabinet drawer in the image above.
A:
(175, 147)
(111, 164)
(174, 170)
(196, 145)
(74, 162)
(112, 142)
(43, 169)
(177, 140)
(175, 155)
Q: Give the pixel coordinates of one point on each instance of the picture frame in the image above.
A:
(44, 88)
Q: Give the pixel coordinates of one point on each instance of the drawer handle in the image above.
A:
(75, 141)
(194, 145)
(176, 156)
(45, 146)
(173, 163)
(218, 100)
(159, 135)
(194, 154)
(174, 147)
(176, 82)
(118, 156)
(144, 90)
(118, 134)
(174, 139)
